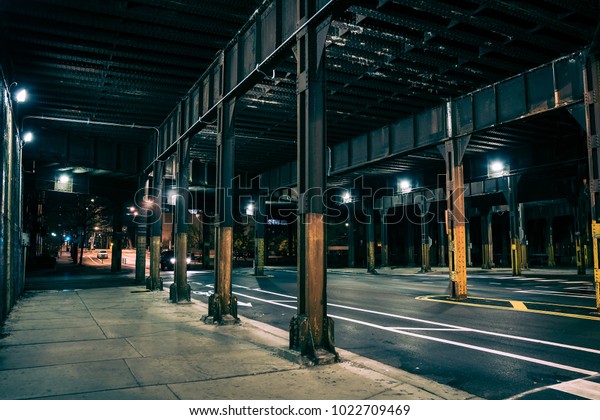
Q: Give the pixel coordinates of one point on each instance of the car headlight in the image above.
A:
(172, 260)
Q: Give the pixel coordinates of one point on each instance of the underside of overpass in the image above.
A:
(364, 133)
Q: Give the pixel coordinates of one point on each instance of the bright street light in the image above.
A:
(496, 168)
(405, 186)
(21, 96)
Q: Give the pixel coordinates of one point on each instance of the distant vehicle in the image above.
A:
(102, 254)
(167, 260)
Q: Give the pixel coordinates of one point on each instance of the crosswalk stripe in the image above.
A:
(581, 388)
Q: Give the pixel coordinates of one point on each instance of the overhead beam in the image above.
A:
(266, 39)
(555, 85)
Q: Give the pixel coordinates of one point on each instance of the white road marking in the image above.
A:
(472, 347)
(581, 388)
(451, 342)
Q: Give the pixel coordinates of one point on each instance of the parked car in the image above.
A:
(102, 254)
(167, 260)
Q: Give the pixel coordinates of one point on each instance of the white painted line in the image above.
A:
(576, 282)
(473, 347)
(428, 329)
(581, 388)
(457, 327)
(456, 343)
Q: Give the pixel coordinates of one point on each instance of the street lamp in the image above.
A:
(405, 186)
(21, 96)
(496, 169)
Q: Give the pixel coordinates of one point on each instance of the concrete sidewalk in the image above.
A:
(126, 343)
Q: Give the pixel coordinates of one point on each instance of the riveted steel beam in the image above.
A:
(222, 304)
(141, 233)
(592, 117)
(311, 330)
(180, 290)
(155, 222)
(453, 151)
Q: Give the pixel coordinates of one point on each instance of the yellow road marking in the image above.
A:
(518, 305)
(505, 308)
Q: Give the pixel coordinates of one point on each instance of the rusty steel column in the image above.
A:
(117, 237)
(582, 215)
(311, 330)
(385, 261)
(350, 228)
(550, 244)
(486, 239)
(180, 289)
(515, 223)
(206, 232)
(140, 235)
(456, 216)
(592, 119)
(424, 205)
(260, 221)
(222, 304)
(155, 219)
(370, 238)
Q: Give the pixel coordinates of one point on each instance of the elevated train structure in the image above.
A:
(454, 133)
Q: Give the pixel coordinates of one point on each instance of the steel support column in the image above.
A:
(311, 330)
(442, 244)
(180, 289)
(260, 221)
(410, 244)
(487, 244)
(515, 224)
(456, 217)
(582, 216)
(385, 261)
(550, 243)
(592, 119)
(351, 225)
(423, 205)
(206, 232)
(117, 237)
(140, 235)
(155, 221)
(370, 212)
(222, 304)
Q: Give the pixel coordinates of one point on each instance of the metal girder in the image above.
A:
(154, 220)
(592, 108)
(222, 304)
(453, 151)
(180, 289)
(311, 330)
(244, 62)
(498, 104)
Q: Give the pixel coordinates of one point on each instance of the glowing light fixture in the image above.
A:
(63, 179)
(28, 137)
(497, 168)
(21, 96)
(405, 186)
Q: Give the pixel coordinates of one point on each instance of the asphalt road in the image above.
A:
(493, 349)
